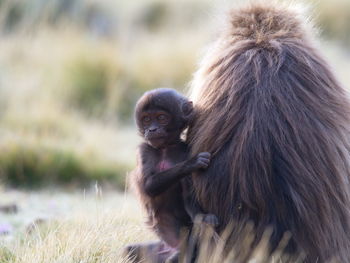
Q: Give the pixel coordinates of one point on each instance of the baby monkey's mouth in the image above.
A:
(156, 135)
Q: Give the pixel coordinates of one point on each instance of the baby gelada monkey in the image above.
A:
(163, 176)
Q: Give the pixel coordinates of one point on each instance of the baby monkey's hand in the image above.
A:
(202, 160)
(211, 220)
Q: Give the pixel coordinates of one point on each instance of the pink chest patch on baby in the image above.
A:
(164, 165)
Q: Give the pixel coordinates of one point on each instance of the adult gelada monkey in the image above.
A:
(277, 123)
(163, 177)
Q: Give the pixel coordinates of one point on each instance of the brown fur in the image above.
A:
(277, 122)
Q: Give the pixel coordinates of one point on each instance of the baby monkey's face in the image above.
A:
(156, 127)
(161, 116)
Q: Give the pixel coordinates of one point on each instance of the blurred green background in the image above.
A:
(71, 71)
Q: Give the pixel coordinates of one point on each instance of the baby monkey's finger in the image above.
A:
(205, 160)
(204, 154)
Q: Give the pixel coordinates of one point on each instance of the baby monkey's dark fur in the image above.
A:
(162, 178)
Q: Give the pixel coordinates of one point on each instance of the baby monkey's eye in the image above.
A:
(162, 118)
(146, 119)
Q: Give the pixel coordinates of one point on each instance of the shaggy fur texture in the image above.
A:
(277, 123)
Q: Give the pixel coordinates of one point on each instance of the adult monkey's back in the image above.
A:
(277, 123)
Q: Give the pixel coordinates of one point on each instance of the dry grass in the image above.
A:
(82, 228)
(95, 226)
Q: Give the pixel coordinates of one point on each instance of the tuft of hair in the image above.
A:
(277, 122)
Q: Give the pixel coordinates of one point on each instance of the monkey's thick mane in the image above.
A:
(277, 122)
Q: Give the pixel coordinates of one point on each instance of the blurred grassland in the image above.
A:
(71, 71)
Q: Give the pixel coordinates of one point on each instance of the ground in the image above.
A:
(61, 226)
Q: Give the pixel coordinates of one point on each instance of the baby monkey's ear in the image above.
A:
(187, 108)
